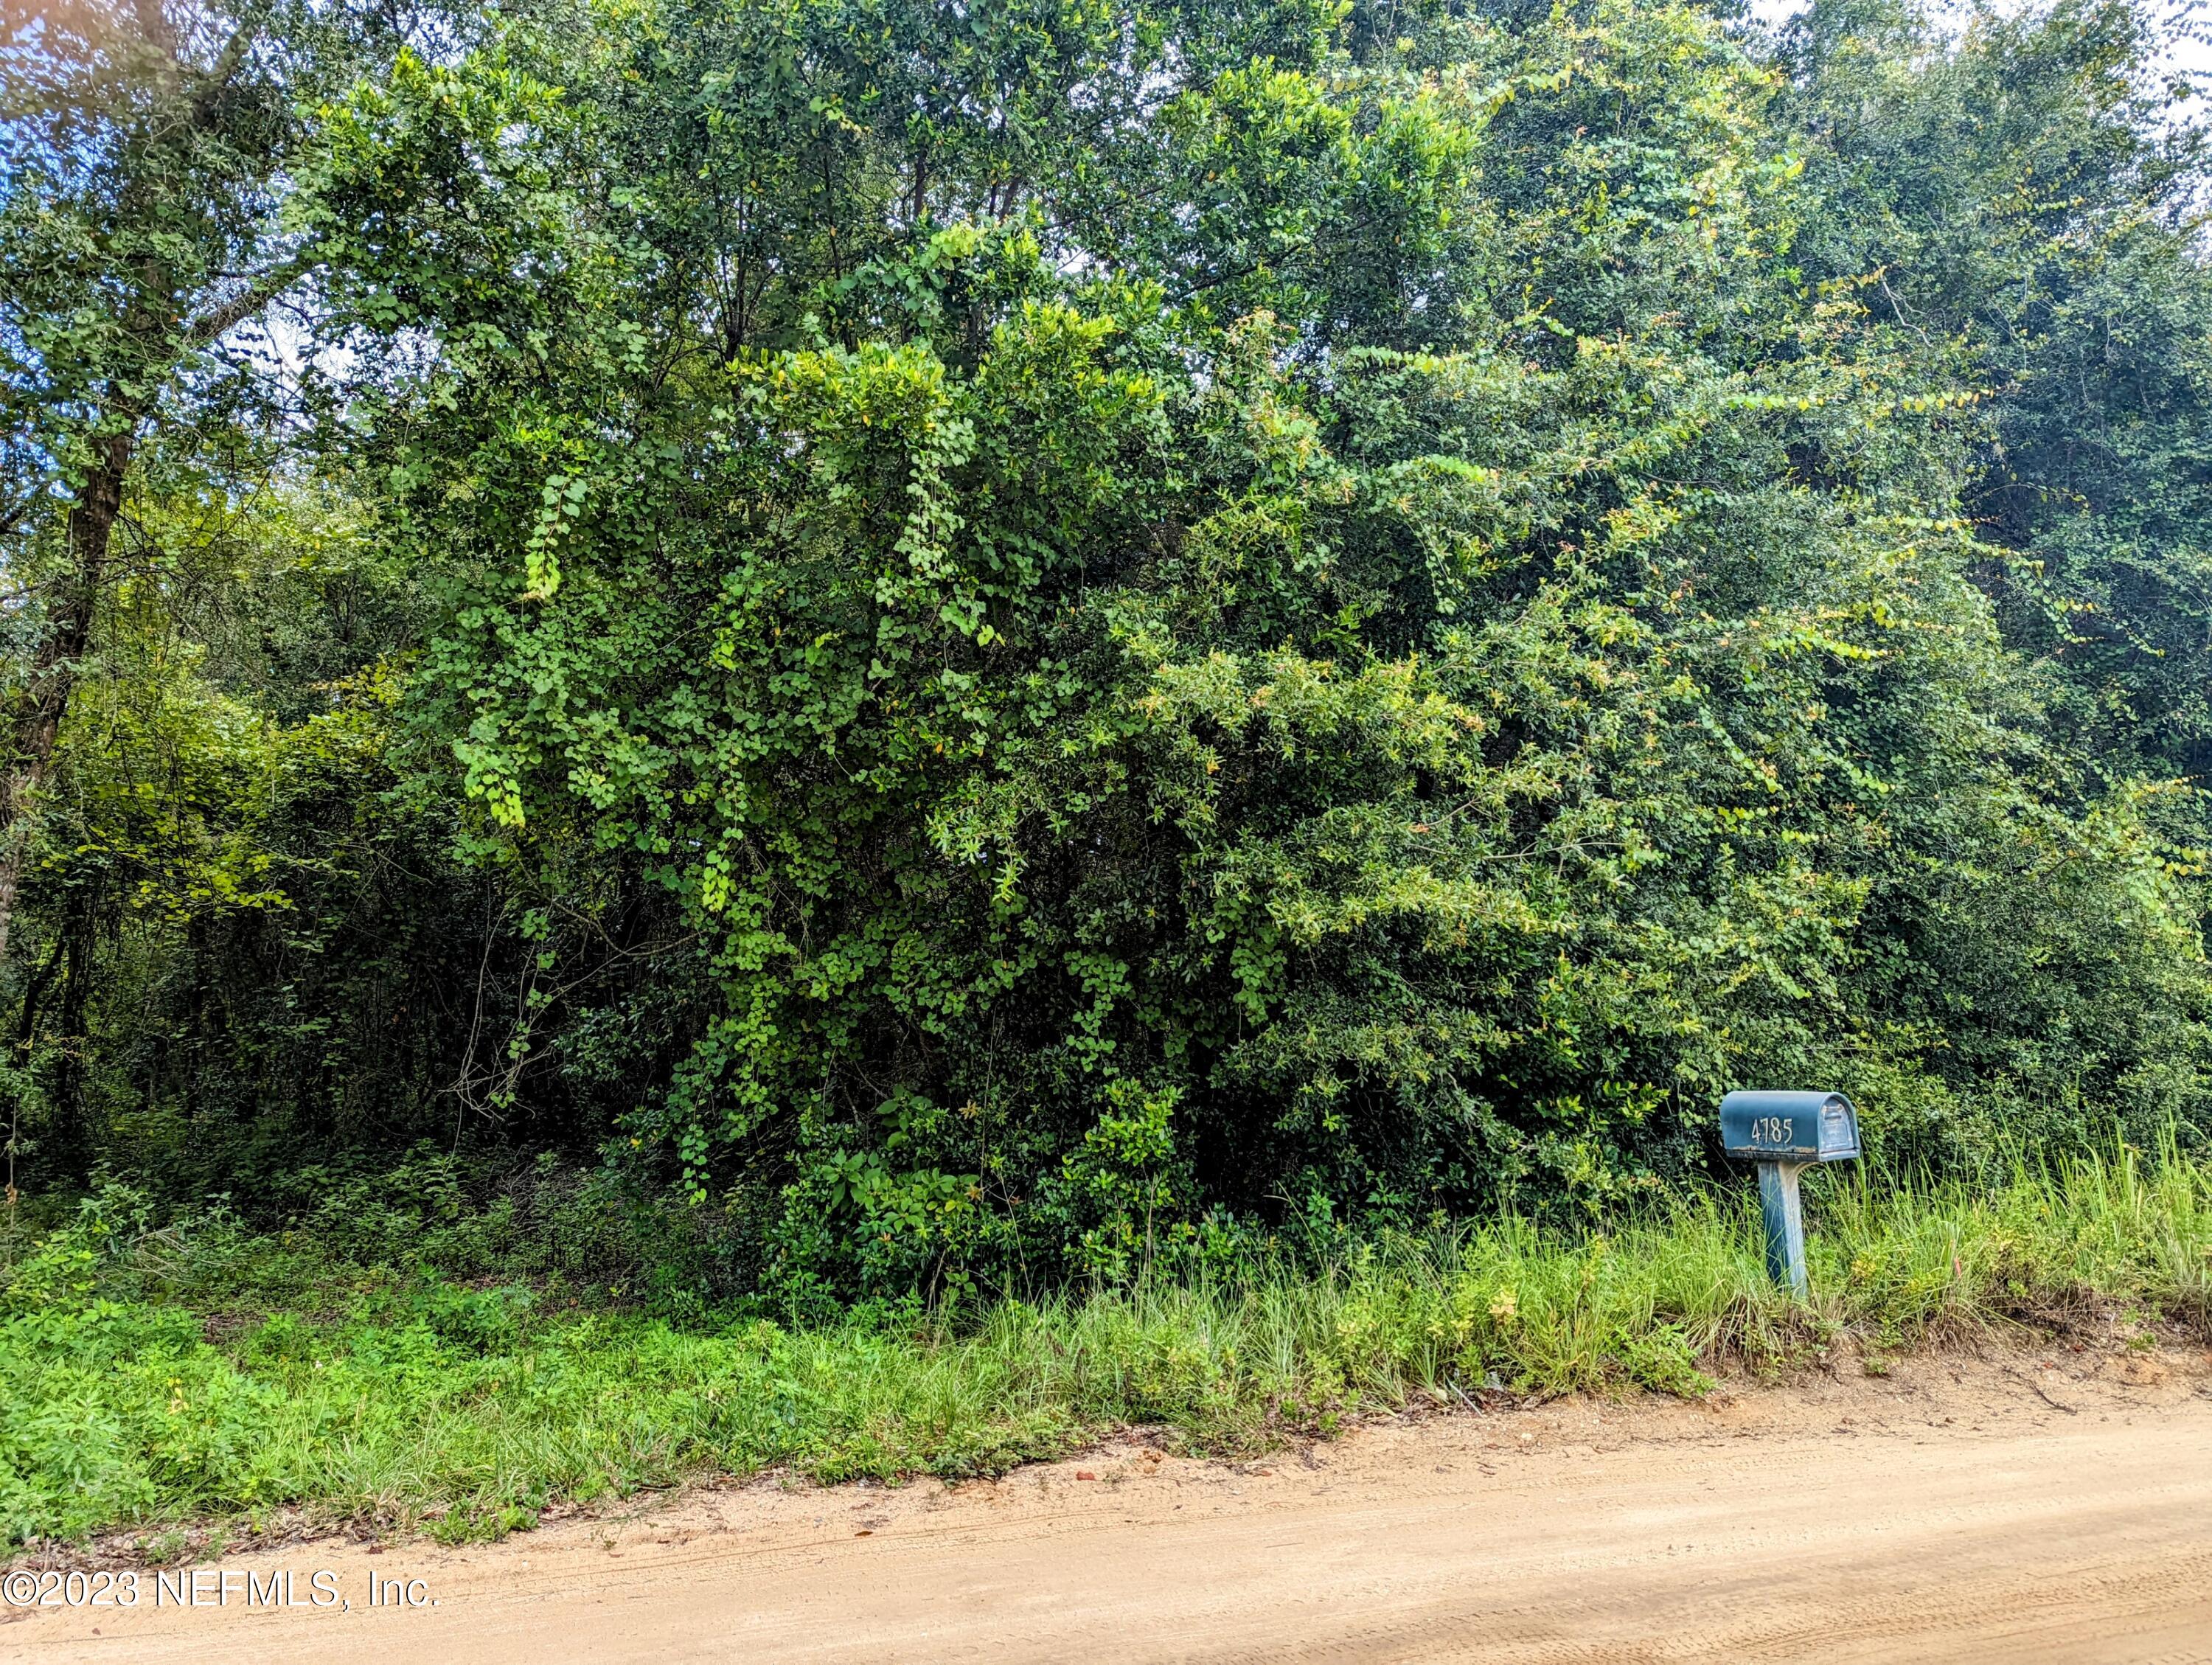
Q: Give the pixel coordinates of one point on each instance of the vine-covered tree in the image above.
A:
(1036, 629)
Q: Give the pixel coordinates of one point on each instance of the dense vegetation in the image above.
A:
(932, 648)
(168, 1383)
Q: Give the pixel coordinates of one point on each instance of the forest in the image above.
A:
(895, 649)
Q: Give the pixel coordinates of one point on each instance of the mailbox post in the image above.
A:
(1783, 1131)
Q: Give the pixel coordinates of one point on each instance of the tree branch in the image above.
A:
(220, 73)
(211, 325)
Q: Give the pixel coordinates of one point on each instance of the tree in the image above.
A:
(142, 231)
(2032, 198)
(1014, 628)
(1368, 641)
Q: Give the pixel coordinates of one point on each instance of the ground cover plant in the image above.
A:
(152, 1379)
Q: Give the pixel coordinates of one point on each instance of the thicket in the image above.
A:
(958, 645)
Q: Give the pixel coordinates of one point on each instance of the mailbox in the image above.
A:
(1782, 1132)
(1789, 1126)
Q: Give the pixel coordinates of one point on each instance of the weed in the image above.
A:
(417, 1403)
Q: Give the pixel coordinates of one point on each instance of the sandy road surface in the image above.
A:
(2054, 1508)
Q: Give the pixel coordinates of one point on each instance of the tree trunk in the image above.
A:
(35, 723)
(72, 1136)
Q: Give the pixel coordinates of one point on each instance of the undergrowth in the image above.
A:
(149, 1377)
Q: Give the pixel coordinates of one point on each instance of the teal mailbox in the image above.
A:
(1789, 1126)
(1782, 1132)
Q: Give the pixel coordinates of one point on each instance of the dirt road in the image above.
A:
(2052, 1508)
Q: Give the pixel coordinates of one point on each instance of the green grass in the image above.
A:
(464, 1412)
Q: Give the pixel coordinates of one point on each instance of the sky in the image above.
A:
(2190, 51)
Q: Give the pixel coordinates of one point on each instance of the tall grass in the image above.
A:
(465, 1413)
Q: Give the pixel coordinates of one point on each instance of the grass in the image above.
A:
(465, 1411)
